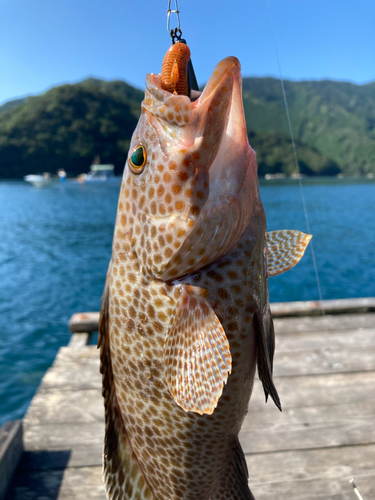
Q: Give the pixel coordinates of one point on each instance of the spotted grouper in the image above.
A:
(185, 316)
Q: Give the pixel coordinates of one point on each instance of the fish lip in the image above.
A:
(228, 67)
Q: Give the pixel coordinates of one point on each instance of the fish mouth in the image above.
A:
(216, 93)
(217, 136)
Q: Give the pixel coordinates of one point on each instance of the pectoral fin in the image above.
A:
(285, 249)
(197, 355)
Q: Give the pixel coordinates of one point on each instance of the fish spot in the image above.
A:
(132, 278)
(157, 258)
(168, 252)
(232, 275)
(151, 192)
(223, 294)
(179, 205)
(167, 177)
(176, 189)
(170, 115)
(195, 210)
(142, 201)
(168, 198)
(158, 326)
(183, 176)
(215, 276)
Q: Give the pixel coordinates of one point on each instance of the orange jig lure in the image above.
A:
(174, 72)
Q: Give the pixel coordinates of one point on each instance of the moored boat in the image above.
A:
(40, 180)
(100, 173)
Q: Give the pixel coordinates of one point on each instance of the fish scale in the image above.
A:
(185, 315)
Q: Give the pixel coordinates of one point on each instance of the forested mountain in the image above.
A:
(67, 126)
(337, 119)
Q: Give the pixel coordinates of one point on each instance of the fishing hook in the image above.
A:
(175, 33)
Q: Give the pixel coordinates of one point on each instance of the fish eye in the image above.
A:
(137, 159)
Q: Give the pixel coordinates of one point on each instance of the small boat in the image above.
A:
(100, 173)
(279, 175)
(40, 181)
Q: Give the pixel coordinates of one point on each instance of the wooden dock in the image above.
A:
(325, 375)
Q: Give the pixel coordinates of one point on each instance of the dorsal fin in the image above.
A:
(285, 249)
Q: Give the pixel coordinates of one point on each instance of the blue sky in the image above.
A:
(44, 43)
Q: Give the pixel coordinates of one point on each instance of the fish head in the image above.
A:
(190, 180)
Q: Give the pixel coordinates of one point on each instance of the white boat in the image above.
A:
(40, 181)
(100, 173)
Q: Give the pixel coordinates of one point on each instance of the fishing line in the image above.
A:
(295, 155)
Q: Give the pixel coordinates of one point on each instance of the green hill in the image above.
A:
(66, 127)
(337, 119)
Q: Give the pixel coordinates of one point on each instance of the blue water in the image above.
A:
(55, 246)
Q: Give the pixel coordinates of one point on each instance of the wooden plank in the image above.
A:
(360, 337)
(317, 390)
(313, 474)
(89, 321)
(309, 427)
(324, 324)
(74, 369)
(315, 489)
(315, 308)
(56, 406)
(72, 377)
(79, 483)
(326, 360)
(80, 456)
(84, 322)
(64, 436)
(11, 449)
(80, 339)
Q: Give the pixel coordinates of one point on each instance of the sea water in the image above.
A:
(55, 246)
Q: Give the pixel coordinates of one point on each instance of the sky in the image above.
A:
(44, 43)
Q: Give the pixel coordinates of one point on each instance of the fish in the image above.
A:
(185, 317)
